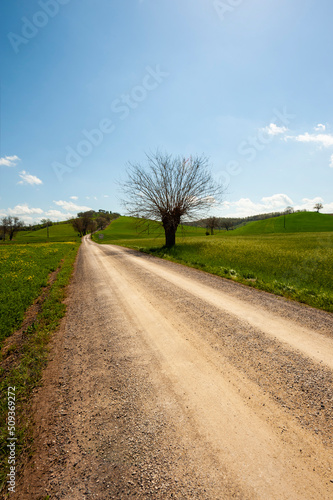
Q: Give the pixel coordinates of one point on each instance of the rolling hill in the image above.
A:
(299, 222)
(57, 232)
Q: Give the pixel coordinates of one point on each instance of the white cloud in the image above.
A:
(241, 208)
(325, 140)
(308, 203)
(327, 208)
(24, 209)
(57, 215)
(106, 196)
(29, 179)
(246, 207)
(9, 161)
(30, 220)
(71, 207)
(210, 200)
(74, 197)
(273, 129)
(245, 203)
(320, 139)
(277, 201)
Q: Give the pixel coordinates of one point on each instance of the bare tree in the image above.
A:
(227, 224)
(318, 206)
(102, 222)
(170, 189)
(4, 227)
(77, 225)
(212, 223)
(289, 210)
(10, 226)
(46, 223)
(92, 226)
(81, 224)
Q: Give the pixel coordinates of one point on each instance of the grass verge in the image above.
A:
(298, 266)
(24, 271)
(26, 374)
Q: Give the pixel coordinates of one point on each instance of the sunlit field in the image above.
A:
(57, 232)
(296, 265)
(24, 270)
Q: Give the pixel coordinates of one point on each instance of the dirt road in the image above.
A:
(166, 382)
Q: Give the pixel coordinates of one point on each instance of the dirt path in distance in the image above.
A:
(167, 382)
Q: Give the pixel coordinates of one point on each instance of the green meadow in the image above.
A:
(57, 232)
(24, 271)
(296, 262)
(299, 222)
(25, 264)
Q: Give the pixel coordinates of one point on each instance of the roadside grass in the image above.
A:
(24, 270)
(25, 372)
(296, 265)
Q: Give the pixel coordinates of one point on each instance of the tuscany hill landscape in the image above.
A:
(166, 250)
(268, 354)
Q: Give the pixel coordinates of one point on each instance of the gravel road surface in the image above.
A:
(167, 382)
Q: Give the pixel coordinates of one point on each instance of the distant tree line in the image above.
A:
(229, 223)
(41, 225)
(84, 222)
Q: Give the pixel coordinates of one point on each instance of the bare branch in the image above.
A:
(170, 189)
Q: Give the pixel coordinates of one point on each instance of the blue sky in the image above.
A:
(89, 86)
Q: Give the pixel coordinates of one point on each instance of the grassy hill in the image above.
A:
(57, 232)
(151, 232)
(299, 222)
(129, 228)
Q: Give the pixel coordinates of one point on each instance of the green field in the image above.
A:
(292, 223)
(297, 265)
(130, 228)
(24, 270)
(57, 232)
(25, 263)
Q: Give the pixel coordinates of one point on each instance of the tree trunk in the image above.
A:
(170, 223)
(170, 237)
